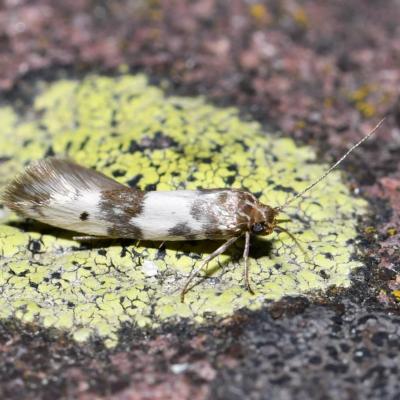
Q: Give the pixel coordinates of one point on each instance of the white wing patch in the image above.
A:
(79, 213)
(163, 211)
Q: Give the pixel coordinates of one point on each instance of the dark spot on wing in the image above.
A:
(84, 216)
(118, 207)
(181, 229)
(126, 230)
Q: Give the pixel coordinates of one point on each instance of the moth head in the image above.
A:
(263, 221)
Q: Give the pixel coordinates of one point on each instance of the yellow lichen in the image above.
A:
(260, 13)
(396, 294)
(391, 231)
(133, 131)
(360, 99)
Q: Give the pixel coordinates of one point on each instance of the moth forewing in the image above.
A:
(63, 194)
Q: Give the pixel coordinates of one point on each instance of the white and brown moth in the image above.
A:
(61, 193)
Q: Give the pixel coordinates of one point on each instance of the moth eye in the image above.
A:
(257, 227)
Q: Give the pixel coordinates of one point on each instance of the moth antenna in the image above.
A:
(325, 174)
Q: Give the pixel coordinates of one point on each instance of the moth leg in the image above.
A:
(211, 256)
(246, 262)
(88, 238)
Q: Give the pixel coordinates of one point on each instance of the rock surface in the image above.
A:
(322, 73)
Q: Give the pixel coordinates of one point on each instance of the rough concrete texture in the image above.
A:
(321, 73)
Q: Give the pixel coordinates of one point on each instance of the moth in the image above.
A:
(61, 193)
